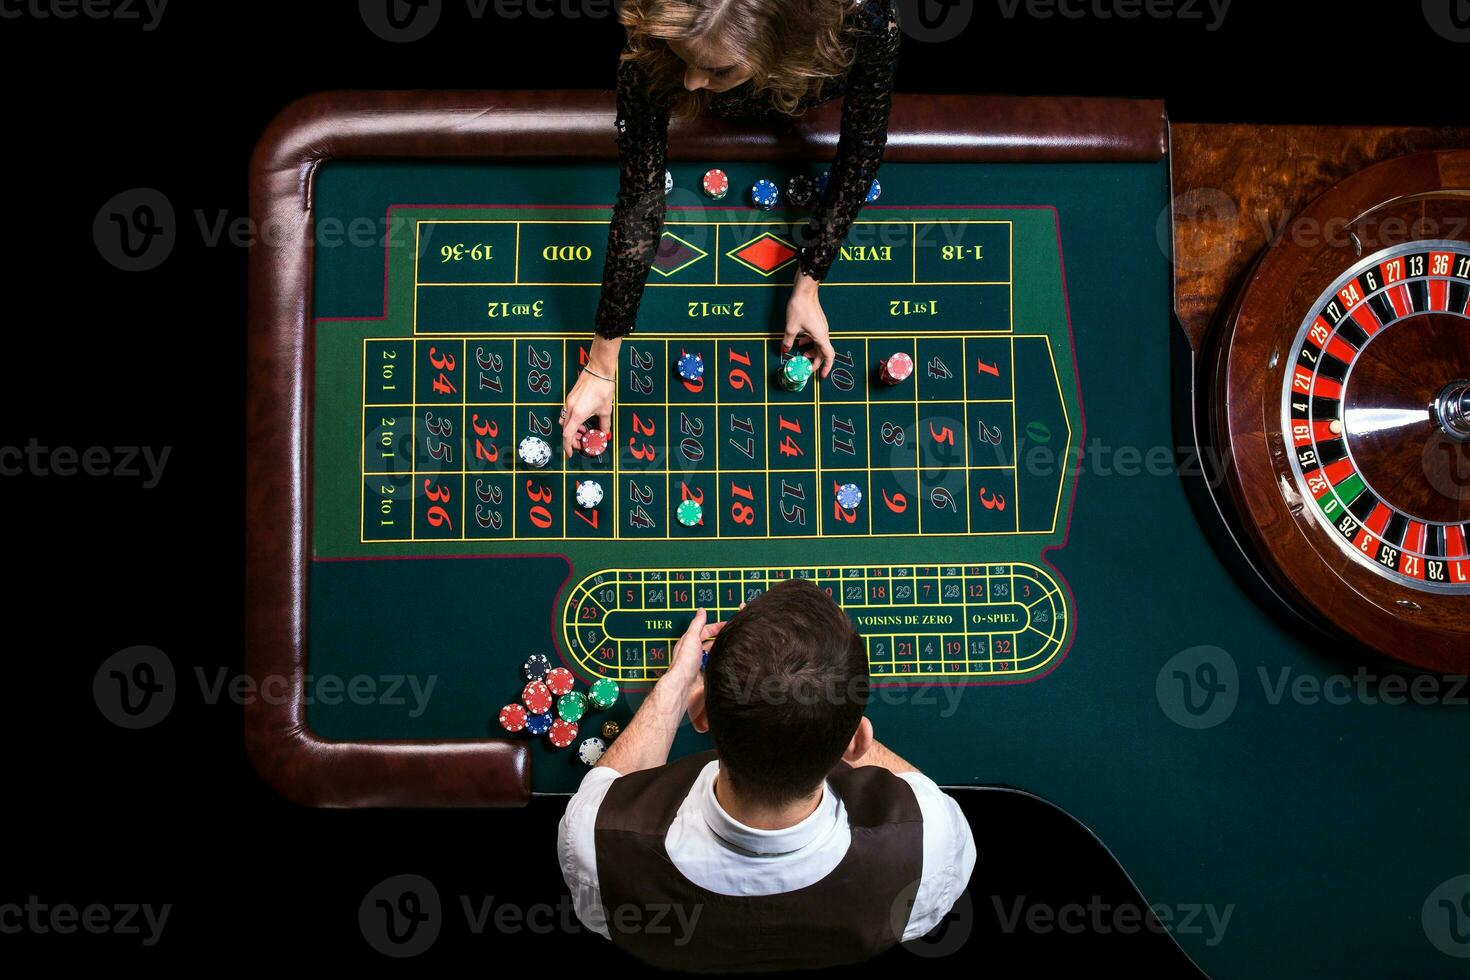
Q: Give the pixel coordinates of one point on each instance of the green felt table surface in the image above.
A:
(1096, 651)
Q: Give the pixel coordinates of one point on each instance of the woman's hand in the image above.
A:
(591, 398)
(804, 318)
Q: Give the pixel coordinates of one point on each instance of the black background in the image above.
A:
(100, 357)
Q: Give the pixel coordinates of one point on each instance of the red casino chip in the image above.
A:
(896, 369)
(513, 718)
(537, 697)
(715, 183)
(563, 733)
(560, 681)
(594, 442)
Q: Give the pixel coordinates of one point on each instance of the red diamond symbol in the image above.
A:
(766, 253)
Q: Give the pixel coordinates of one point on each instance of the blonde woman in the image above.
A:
(736, 58)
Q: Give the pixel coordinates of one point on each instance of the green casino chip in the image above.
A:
(689, 513)
(795, 373)
(571, 707)
(604, 693)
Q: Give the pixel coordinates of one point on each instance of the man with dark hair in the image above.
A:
(800, 841)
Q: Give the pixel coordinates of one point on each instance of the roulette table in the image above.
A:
(1148, 488)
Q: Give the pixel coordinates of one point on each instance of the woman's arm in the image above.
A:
(860, 145)
(632, 239)
(859, 151)
(638, 215)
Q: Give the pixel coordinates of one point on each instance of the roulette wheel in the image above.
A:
(1336, 397)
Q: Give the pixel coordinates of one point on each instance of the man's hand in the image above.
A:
(689, 651)
(804, 318)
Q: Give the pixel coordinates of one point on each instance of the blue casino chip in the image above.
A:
(538, 724)
(765, 194)
(691, 367)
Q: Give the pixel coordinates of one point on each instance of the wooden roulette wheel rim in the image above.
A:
(1334, 397)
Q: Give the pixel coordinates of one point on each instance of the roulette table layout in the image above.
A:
(1133, 498)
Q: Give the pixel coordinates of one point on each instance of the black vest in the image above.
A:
(858, 910)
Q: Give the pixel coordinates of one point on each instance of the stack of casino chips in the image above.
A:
(535, 452)
(764, 194)
(796, 372)
(594, 442)
(799, 190)
(896, 369)
(589, 494)
(550, 706)
(716, 185)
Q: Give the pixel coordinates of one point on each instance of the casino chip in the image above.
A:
(796, 372)
(563, 733)
(537, 698)
(591, 750)
(571, 707)
(896, 369)
(691, 367)
(764, 194)
(594, 442)
(822, 183)
(668, 181)
(537, 664)
(589, 494)
(849, 496)
(799, 190)
(535, 451)
(715, 184)
(604, 693)
(560, 680)
(874, 192)
(689, 513)
(538, 724)
(513, 718)
(610, 730)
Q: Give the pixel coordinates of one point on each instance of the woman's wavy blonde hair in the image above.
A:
(788, 46)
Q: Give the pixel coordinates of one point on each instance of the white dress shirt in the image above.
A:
(723, 855)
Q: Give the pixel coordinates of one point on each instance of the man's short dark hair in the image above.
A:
(785, 688)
